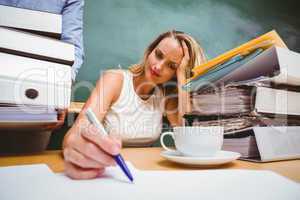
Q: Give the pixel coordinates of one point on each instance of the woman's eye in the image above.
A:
(172, 66)
(158, 55)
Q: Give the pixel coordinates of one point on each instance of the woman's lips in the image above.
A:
(153, 72)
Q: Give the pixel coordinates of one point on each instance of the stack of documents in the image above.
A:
(245, 144)
(254, 85)
(227, 101)
(36, 84)
(39, 66)
(245, 105)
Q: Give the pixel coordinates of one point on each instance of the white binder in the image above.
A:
(46, 23)
(277, 143)
(29, 81)
(35, 46)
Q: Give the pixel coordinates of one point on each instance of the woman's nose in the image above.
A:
(158, 66)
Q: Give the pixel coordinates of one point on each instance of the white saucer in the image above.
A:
(221, 157)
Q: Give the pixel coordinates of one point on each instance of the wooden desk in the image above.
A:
(149, 159)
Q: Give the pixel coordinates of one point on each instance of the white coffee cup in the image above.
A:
(196, 140)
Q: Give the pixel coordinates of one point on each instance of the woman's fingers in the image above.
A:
(77, 158)
(88, 152)
(76, 172)
(91, 150)
(117, 139)
(185, 59)
(185, 50)
(109, 145)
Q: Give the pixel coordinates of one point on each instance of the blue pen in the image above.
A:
(118, 158)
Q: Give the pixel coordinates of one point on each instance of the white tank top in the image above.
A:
(137, 121)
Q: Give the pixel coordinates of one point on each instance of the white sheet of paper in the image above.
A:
(28, 182)
(189, 184)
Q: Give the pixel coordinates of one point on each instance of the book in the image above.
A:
(43, 23)
(35, 46)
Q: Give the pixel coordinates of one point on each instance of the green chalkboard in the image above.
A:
(116, 32)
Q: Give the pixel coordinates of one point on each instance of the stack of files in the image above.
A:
(235, 124)
(252, 89)
(36, 84)
(227, 101)
(248, 65)
(278, 64)
(244, 143)
(250, 105)
(39, 66)
(263, 42)
(211, 78)
(231, 124)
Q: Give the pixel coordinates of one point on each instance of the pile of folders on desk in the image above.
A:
(35, 75)
(254, 85)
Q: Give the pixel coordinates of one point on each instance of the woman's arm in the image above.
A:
(86, 153)
(176, 108)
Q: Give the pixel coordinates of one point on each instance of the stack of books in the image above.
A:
(35, 80)
(254, 85)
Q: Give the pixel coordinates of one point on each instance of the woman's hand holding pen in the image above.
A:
(87, 153)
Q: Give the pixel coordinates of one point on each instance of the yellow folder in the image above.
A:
(264, 41)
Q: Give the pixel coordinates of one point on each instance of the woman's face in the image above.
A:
(163, 61)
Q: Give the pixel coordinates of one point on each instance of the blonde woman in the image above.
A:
(131, 103)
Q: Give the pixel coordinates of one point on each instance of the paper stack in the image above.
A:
(255, 85)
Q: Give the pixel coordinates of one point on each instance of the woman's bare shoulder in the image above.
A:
(113, 80)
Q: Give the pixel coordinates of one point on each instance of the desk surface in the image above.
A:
(149, 159)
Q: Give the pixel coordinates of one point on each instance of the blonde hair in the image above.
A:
(196, 53)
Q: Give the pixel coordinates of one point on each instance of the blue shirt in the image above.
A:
(72, 25)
